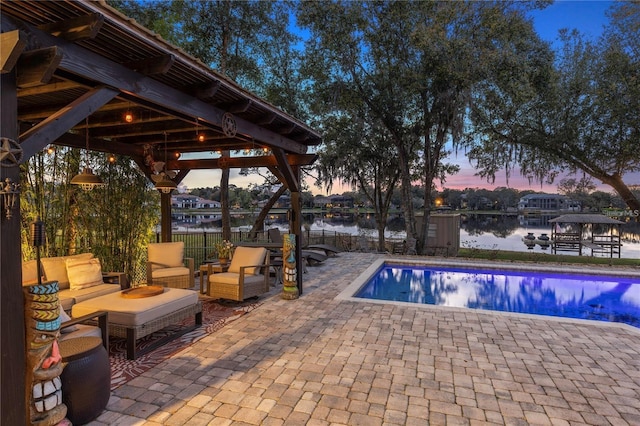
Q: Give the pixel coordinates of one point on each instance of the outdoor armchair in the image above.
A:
(167, 266)
(248, 275)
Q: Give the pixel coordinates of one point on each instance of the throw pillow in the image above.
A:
(29, 272)
(84, 273)
(64, 317)
(55, 269)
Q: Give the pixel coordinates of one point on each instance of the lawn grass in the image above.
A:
(515, 256)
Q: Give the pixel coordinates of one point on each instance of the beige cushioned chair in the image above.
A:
(248, 275)
(167, 266)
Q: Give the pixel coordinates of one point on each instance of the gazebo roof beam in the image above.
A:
(152, 93)
(238, 162)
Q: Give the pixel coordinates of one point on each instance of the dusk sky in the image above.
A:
(588, 17)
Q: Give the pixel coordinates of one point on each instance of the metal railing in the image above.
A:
(199, 244)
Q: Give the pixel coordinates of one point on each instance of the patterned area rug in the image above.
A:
(215, 315)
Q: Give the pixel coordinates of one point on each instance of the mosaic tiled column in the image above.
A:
(290, 272)
(44, 363)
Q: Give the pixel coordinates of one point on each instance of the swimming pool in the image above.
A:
(545, 291)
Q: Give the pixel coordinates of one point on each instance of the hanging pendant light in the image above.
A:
(87, 180)
(165, 185)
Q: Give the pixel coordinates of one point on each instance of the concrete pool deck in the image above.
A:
(319, 360)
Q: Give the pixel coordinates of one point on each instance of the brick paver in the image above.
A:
(318, 360)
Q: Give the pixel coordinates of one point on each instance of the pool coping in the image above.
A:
(361, 280)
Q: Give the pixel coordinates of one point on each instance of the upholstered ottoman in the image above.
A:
(134, 318)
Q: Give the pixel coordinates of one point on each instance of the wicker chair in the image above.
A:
(248, 275)
(166, 265)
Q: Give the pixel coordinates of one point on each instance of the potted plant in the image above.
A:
(224, 251)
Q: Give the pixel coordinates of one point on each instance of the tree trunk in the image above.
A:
(405, 179)
(264, 212)
(382, 223)
(623, 190)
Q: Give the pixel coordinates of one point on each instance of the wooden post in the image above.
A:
(12, 326)
(165, 217)
(295, 227)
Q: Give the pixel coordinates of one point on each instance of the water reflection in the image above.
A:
(494, 232)
(499, 226)
(613, 299)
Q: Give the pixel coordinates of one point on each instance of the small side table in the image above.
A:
(86, 378)
(116, 278)
(207, 268)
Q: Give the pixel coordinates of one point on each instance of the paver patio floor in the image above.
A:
(319, 361)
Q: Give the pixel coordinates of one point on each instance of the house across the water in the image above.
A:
(547, 203)
(187, 201)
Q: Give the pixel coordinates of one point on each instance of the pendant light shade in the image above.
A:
(166, 185)
(87, 180)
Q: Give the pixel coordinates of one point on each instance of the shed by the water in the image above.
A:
(577, 232)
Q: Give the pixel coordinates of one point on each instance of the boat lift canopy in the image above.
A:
(577, 232)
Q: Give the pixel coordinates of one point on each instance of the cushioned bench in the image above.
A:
(136, 318)
(79, 277)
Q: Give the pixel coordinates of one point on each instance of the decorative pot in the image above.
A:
(223, 260)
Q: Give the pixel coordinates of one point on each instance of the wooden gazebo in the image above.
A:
(63, 61)
(578, 232)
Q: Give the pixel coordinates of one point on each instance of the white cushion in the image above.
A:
(247, 256)
(55, 268)
(170, 272)
(84, 273)
(82, 330)
(134, 312)
(64, 318)
(166, 255)
(68, 297)
(232, 278)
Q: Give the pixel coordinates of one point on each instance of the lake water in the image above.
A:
(494, 232)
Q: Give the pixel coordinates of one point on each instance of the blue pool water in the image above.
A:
(604, 298)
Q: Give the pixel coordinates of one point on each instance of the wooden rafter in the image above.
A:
(80, 28)
(153, 66)
(239, 107)
(12, 44)
(47, 131)
(37, 66)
